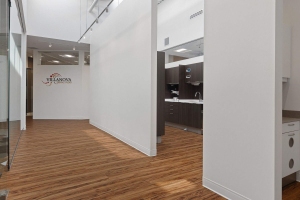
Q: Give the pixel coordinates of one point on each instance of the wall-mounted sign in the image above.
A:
(56, 78)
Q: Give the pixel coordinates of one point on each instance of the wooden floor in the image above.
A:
(291, 192)
(74, 160)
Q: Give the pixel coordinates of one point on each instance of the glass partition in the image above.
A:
(4, 83)
(15, 74)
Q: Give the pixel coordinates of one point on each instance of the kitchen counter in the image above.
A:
(288, 120)
(191, 101)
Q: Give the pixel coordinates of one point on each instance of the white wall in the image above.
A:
(15, 77)
(242, 112)
(18, 72)
(291, 94)
(174, 22)
(60, 101)
(123, 80)
(54, 19)
(4, 73)
(65, 20)
(185, 62)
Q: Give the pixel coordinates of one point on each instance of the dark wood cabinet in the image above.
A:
(171, 112)
(197, 115)
(191, 115)
(160, 93)
(194, 73)
(172, 75)
(186, 114)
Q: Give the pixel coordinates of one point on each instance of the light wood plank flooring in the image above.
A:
(74, 160)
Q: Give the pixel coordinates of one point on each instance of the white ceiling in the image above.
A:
(41, 43)
(193, 49)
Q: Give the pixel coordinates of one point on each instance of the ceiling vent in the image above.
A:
(196, 14)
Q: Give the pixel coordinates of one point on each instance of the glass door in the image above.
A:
(4, 84)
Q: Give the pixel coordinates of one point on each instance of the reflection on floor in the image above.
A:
(3, 146)
(74, 160)
(14, 135)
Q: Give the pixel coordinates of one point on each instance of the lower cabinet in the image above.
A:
(184, 114)
(290, 153)
(191, 115)
(171, 112)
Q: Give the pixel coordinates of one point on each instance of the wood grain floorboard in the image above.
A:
(74, 160)
(65, 159)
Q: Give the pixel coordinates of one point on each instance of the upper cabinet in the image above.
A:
(287, 49)
(194, 73)
(172, 75)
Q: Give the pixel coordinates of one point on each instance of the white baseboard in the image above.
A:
(61, 118)
(3, 120)
(131, 143)
(222, 191)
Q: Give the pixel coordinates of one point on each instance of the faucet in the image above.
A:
(200, 96)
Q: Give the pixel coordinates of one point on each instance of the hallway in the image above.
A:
(59, 159)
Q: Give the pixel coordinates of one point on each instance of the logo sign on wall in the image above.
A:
(56, 78)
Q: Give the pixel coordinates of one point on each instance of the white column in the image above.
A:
(242, 91)
(23, 80)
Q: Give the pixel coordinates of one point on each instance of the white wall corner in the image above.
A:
(144, 150)
(154, 78)
(222, 191)
(23, 81)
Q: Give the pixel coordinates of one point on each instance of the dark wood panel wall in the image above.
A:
(29, 86)
(186, 90)
(160, 93)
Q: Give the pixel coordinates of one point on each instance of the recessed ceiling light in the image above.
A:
(67, 56)
(50, 45)
(55, 61)
(181, 50)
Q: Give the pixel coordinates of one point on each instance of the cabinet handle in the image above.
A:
(188, 76)
(293, 134)
(171, 109)
(291, 124)
(171, 113)
(171, 105)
